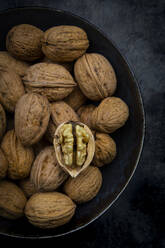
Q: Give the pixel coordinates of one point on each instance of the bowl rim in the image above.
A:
(140, 102)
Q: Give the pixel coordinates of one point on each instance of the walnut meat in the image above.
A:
(85, 186)
(12, 200)
(7, 62)
(85, 113)
(2, 121)
(111, 114)
(64, 43)
(50, 80)
(46, 174)
(49, 209)
(20, 158)
(11, 89)
(32, 115)
(24, 42)
(105, 149)
(27, 187)
(95, 76)
(3, 165)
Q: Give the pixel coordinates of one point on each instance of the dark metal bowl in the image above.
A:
(129, 138)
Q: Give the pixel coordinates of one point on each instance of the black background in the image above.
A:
(137, 219)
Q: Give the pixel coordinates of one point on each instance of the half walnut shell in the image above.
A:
(74, 171)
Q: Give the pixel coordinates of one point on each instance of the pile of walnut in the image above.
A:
(46, 79)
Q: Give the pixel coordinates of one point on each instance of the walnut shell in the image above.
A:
(12, 200)
(64, 43)
(24, 42)
(95, 76)
(74, 172)
(85, 113)
(49, 209)
(76, 99)
(85, 186)
(3, 165)
(50, 80)
(32, 115)
(111, 114)
(27, 187)
(105, 149)
(60, 112)
(7, 62)
(2, 121)
(11, 89)
(46, 174)
(20, 158)
(67, 65)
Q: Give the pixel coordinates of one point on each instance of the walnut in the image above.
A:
(7, 62)
(2, 121)
(95, 76)
(46, 174)
(12, 200)
(24, 42)
(105, 149)
(3, 165)
(85, 113)
(20, 158)
(49, 209)
(64, 43)
(74, 146)
(85, 186)
(27, 187)
(50, 80)
(32, 115)
(75, 99)
(111, 114)
(11, 89)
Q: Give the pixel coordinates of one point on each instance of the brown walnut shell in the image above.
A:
(27, 187)
(111, 114)
(2, 121)
(105, 149)
(76, 99)
(46, 174)
(50, 80)
(64, 43)
(24, 42)
(12, 200)
(49, 209)
(32, 115)
(7, 62)
(20, 158)
(85, 186)
(11, 89)
(95, 76)
(85, 113)
(3, 165)
(49, 134)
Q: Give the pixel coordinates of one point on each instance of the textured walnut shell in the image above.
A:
(64, 43)
(95, 76)
(49, 209)
(105, 149)
(74, 172)
(111, 114)
(11, 89)
(12, 200)
(3, 165)
(50, 80)
(24, 42)
(7, 62)
(46, 174)
(2, 121)
(27, 187)
(67, 65)
(32, 115)
(76, 99)
(85, 186)
(60, 112)
(85, 113)
(20, 158)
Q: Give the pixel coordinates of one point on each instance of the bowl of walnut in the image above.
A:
(71, 123)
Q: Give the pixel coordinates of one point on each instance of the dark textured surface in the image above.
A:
(137, 27)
